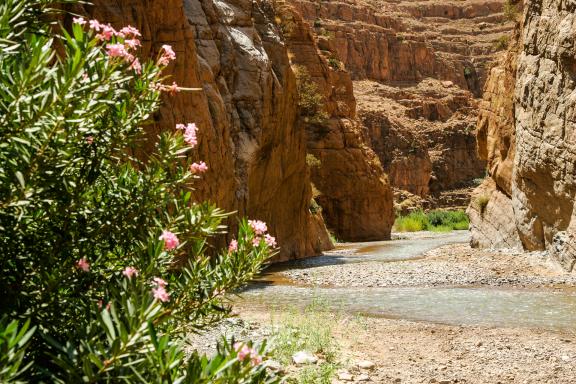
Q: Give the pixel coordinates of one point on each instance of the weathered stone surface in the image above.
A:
(490, 213)
(355, 194)
(538, 172)
(544, 176)
(408, 41)
(247, 112)
(417, 68)
(424, 134)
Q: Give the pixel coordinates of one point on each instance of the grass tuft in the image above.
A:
(435, 221)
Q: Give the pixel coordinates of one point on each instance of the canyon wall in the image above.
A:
(247, 111)
(417, 69)
(353, 190)
(535, 172)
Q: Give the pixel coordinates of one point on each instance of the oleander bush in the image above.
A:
(106, 261)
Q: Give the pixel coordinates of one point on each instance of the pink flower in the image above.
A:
(167, 55)
(160, 282)
(256, 241)
(172, 89)
(89, 140)
(255, 358)
(129, 272)
(129, 31)
(84, 76)
(270, 241)
(132, 43)
(136, 66)
(79, 20)
(243, 351)
(200, 167)
(116, 50)
(233, 247)
(95, 25)
(83, 264)
(189, 133)
(258, 226)
(161, 294)
(170, 240)
(107, 32)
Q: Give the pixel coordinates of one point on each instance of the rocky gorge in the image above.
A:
(391, 106)
(327, 118)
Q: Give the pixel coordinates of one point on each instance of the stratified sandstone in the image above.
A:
(247, 111)
(355, 194)
(543, 177)
(424, 134)
(417, 66)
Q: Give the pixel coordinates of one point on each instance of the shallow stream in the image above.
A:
(504, 307)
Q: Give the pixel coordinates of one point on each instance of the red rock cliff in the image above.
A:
(247, 112)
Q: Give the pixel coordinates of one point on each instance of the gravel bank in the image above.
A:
(450, 265)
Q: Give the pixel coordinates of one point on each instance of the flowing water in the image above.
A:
(450, 305)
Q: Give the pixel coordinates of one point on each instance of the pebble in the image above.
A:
(345, 376)
(363, 377)
(366, 364)
(303, 357)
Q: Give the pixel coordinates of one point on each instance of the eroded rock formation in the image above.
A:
(536, 171)
(418, 67)
(247, 111)
(355, 194)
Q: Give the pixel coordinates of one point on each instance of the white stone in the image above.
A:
(303, 357)
(345, 376)
(366, 364)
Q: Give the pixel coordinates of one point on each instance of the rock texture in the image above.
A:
(247, 112)
(418, 67)
(543, 177)
(354, 192)
(424, 134)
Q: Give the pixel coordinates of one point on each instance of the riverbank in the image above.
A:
(418, 352)
(420, 312)
(449, 265)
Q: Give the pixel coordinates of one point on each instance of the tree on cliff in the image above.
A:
(106, 262)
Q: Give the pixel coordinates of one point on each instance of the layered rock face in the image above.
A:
(247, 111)
(541, 185)
(418, 67)
(424, 134)
(354, 192)
(408, 41)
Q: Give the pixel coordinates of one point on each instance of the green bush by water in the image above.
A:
(435, 221)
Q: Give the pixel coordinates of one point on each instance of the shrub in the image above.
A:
(481, 203)
(413, 222)
(335, 63)
(311, 102)
(312, 161)
(502, 43)
(510, 10)
(436, 221)
(105, 255)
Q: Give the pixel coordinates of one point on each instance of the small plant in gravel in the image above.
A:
(307, 330)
